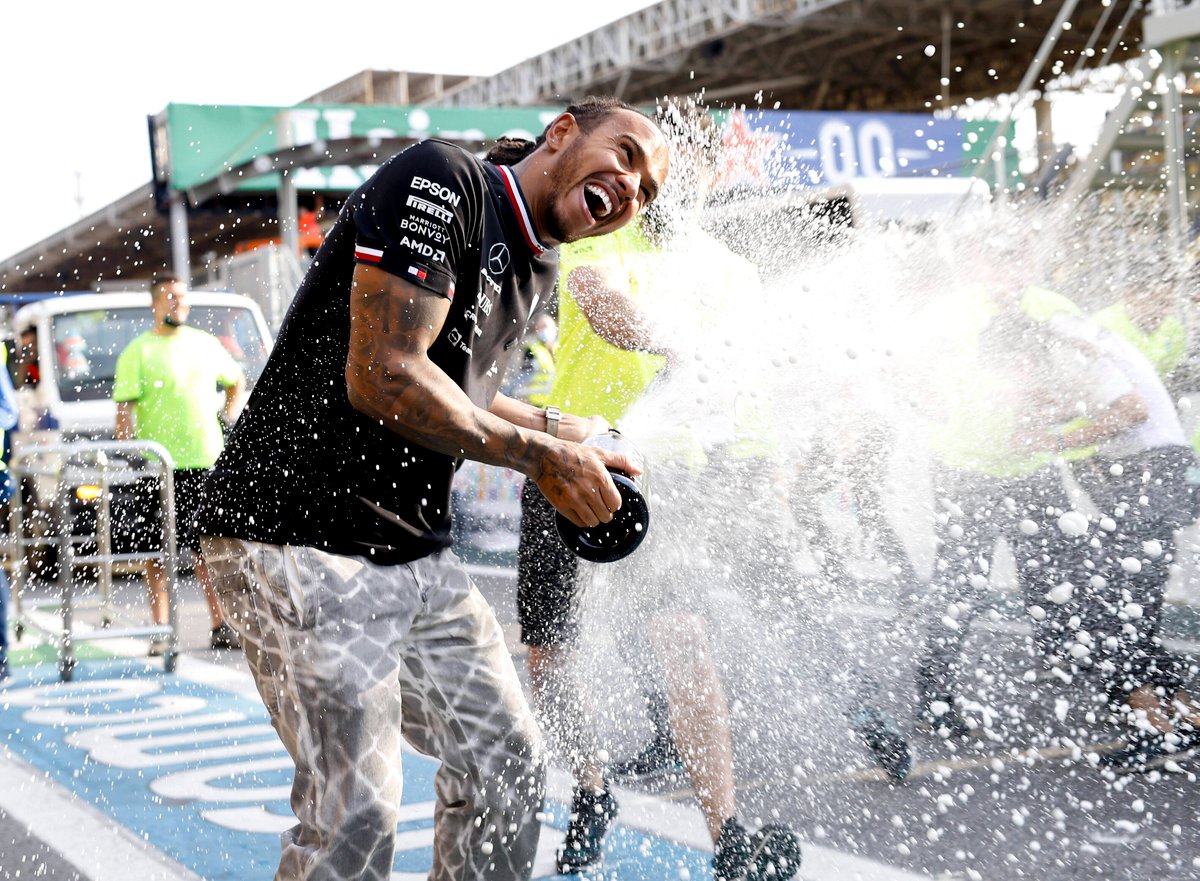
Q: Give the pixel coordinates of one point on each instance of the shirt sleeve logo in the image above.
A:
(498, 258)
(367, 255)
(445, 215)
(438, 191)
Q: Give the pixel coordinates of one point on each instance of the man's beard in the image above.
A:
(566, 170)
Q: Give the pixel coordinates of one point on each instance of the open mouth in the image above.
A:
(598, 202)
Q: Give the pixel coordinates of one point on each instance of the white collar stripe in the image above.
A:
(518, 200)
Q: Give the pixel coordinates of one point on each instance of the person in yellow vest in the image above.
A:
(1137, 476)
(607, 356)
(536, 370)
(1035, 365)
(1146, 317)
(992, 480)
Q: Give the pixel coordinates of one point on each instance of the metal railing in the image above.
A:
(100, 466)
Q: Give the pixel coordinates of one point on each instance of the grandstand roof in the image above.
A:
(812, 54)
(799, 54)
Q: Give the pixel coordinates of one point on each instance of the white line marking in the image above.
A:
(97, 846)
(679, 823)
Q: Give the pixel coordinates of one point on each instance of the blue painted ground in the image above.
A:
(179, 763)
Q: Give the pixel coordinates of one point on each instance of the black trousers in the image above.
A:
(1146, 498)
(974, 512)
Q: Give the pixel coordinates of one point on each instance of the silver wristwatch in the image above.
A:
(553, 418)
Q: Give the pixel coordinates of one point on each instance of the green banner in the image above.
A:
(205, 140)
(783, 148)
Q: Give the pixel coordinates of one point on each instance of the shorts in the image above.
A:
(548, 589)
(137, 512)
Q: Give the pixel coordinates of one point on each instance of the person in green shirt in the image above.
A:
(166, 391)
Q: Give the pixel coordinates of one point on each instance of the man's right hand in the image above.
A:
(574, 478)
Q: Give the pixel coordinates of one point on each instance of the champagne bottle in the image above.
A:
(620, 537)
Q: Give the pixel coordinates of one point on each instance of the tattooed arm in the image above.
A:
(389, 377)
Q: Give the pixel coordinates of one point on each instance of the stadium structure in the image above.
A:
(824, 55)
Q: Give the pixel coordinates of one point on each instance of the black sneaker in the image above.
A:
(1188, 734)
(224, 637)
(660, 757)
(4, 674)
(940, 716)
(883, 738)
(1142, 752)
(591, 814)
(770, 854)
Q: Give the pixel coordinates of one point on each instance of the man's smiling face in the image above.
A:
(602, 178)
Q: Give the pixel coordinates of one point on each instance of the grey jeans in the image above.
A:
(349, 658)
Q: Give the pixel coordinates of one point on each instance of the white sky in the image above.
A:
(79, 78)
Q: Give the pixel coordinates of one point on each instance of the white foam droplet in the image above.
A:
(1132, 565)
(1073, 523)
(1061, 593)
(1028, 527)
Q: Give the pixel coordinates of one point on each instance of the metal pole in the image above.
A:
(16, 529)
(1173, 131)
(1034, 70)
(104, 540)
(181, 260)
(1088, 50)
(288, 208)
(66, 580)
(947, 25)
(169, 564)
(1044, 121)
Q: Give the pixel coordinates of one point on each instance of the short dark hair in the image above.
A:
(162, 279)
(589, 112)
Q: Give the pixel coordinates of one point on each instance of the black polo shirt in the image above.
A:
(302, 465)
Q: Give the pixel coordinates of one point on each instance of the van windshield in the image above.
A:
(87, 344)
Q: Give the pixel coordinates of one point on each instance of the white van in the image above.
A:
(64, 357)
(66, 350)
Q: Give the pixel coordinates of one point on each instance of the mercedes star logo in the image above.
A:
(498, 258)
